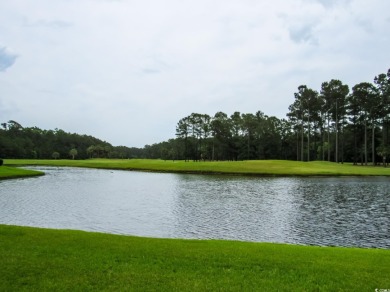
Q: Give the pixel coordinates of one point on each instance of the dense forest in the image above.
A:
(335, 123)
(17, 141)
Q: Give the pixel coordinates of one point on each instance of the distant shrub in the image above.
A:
(1, 162)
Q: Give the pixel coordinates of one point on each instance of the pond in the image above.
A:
(337, 211)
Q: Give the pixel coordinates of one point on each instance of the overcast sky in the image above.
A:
(127, 71)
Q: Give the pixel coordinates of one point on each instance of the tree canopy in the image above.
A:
(17, 141)
(335, 123)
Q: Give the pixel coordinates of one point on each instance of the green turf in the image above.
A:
(13, 172)
(251, 167)
(61, 260)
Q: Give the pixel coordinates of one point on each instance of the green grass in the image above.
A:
(35, 259)
(13, 172)
(251, 167)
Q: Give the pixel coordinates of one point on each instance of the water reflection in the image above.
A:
(318, 211)
(344, 211)
(234, 208)
(90, 199)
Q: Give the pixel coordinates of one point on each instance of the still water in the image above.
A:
(311, 211)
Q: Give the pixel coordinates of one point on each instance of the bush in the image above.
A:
(1, 162)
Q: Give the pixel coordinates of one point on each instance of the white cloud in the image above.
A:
(127, 71)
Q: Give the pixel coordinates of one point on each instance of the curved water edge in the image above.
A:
(328, 211)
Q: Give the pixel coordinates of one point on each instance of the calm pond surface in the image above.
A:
(311, 211)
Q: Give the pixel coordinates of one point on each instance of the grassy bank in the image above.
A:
(254, 167)
(12, 172)
(50, 260)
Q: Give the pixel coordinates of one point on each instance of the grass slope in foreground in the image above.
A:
(49, 260)
(13, 172)
(250, 167)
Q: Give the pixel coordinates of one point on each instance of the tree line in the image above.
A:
(335, 123)
(17, 141)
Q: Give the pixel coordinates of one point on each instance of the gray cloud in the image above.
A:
(327, 3)
(151, 71)
(303, 34)
(366, 25)
(331, 3)
(54, 24)
(154, 65)
(7, 59)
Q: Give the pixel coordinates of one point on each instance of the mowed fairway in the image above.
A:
(13, 172)
(250, 167)
(51, 260)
